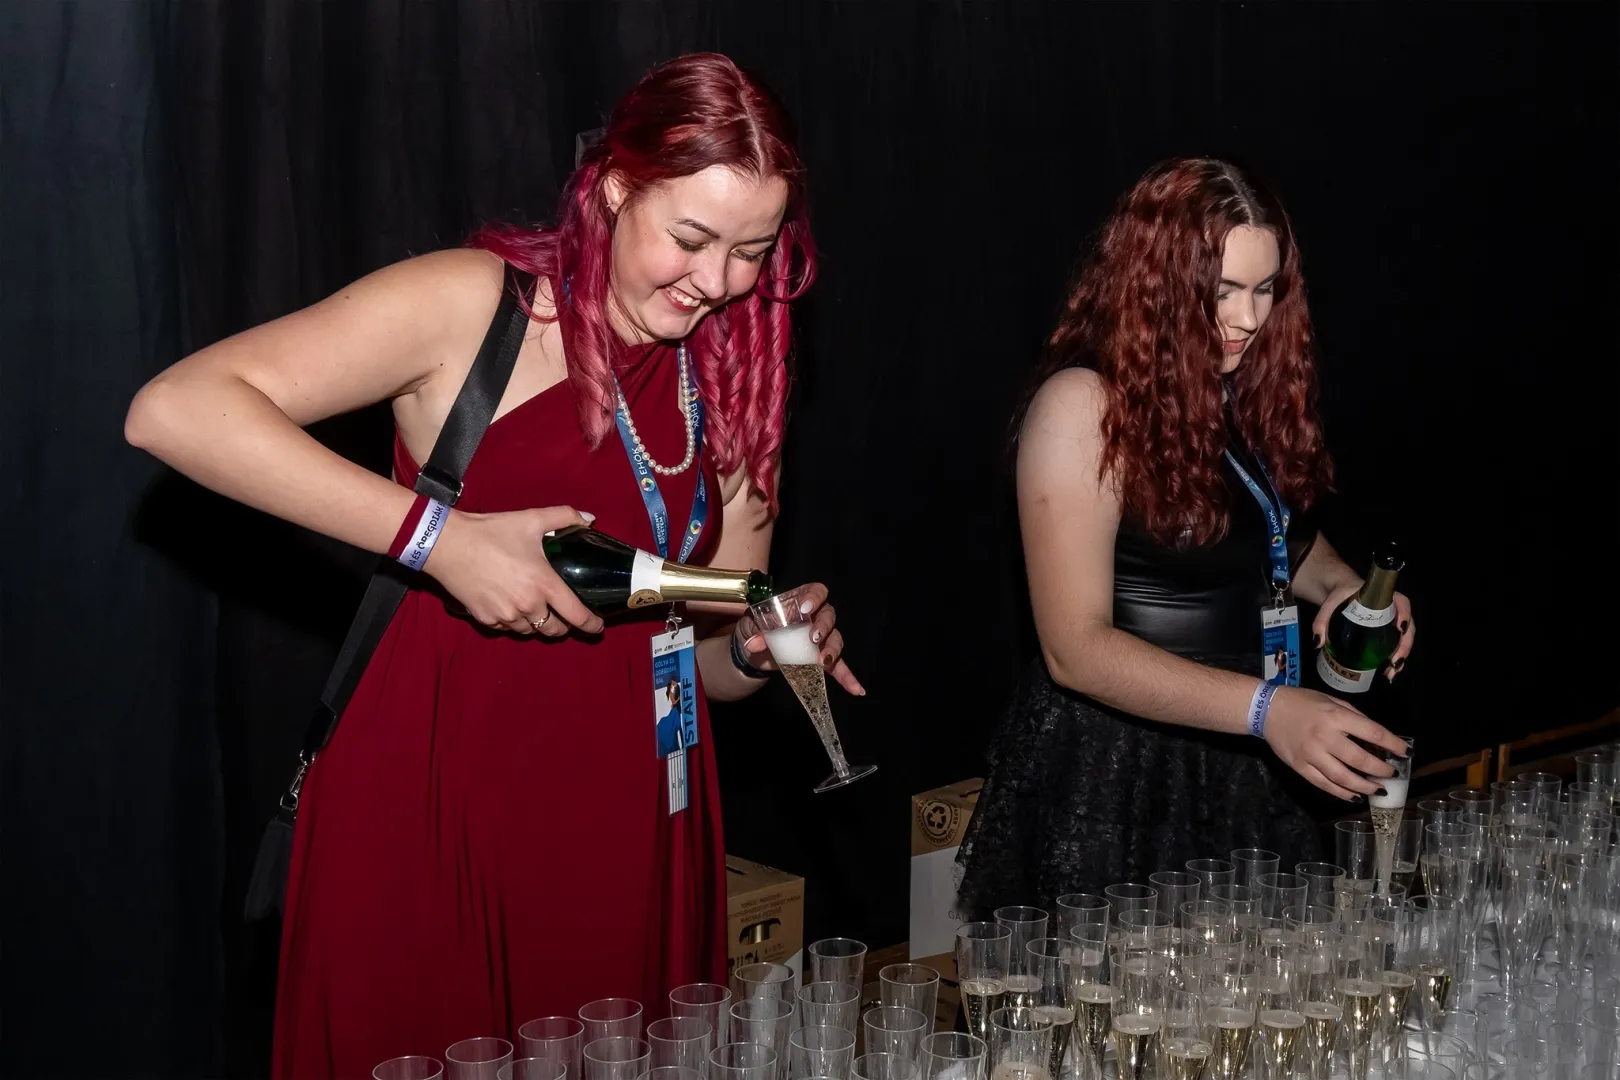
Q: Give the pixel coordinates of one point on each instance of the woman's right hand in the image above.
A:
(1311, 731)
(495, 565)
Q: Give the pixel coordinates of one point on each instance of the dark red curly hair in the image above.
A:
(1142, 314)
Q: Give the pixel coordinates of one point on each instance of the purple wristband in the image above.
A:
(419, 544)
(1259, 705)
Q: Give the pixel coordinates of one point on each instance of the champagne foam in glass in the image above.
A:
(791, 646)
(787, 629)
(1386, 811)
(1394, 795)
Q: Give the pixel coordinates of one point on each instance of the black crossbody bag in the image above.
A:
(439, 479)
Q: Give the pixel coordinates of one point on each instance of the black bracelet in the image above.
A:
(740, 659)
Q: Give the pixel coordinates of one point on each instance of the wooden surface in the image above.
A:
(1564, 743)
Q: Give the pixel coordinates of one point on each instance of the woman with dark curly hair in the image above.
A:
(1167, 464)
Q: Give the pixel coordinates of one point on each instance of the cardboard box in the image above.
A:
(764, 916)
(939, 820)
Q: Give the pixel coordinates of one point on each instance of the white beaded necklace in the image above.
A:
(683, 399)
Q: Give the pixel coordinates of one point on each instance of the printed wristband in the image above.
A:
(418, 533)
(407, 527)
(740, 659)
(1259, 706)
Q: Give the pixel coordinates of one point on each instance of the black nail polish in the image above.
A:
(1382, 792)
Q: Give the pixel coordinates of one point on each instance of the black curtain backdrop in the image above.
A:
(173, 173)
(110, 785)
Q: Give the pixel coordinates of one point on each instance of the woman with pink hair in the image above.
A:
(486, 839)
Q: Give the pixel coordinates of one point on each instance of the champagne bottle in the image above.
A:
(610, 576)
(1363, 634)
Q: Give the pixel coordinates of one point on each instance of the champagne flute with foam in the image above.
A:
(786, 627)
(1387, 809)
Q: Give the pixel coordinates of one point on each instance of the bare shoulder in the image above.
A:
(448, 275)
(442, 289)
(1068, 407)
(1063, 428)
(473, 274)
(1067, 514)
(448, 289)
(468, 273)
(411, 310)
(1060, 448)
(457, 291)
(468, 284)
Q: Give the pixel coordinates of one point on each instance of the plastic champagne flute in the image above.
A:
(786, 626)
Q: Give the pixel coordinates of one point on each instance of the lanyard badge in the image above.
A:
(674, 667)
(1279, 620)
(675, 708)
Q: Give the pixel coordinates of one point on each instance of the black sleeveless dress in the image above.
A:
(1080, 796)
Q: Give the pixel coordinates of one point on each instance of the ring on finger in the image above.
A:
(538, 623)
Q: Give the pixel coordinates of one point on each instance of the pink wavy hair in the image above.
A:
(686, 115)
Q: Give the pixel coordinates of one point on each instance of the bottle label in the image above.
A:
(646, 581)
(1365, 616)
(1345, 679)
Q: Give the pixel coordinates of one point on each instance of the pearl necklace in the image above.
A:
(683, 399)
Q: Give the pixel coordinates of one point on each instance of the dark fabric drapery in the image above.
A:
(110, 788)
(173, 172)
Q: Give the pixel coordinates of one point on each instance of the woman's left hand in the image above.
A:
(823, 631)
(1403, 620)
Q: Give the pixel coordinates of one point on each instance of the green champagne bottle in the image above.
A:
(609, 576)
(1362, 633)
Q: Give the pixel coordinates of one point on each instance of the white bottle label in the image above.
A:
(646, 580)
(1364, 616)
(1346, 679)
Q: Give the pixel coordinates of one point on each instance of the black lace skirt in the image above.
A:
(1079, 796)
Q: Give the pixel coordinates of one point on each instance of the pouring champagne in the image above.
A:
(787, 634)
(1386, 811)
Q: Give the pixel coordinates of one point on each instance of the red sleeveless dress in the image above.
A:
(486, 839)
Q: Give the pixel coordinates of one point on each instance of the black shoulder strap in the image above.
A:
(439, 479)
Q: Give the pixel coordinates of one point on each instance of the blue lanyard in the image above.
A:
(1277, 518)
(647, 483)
